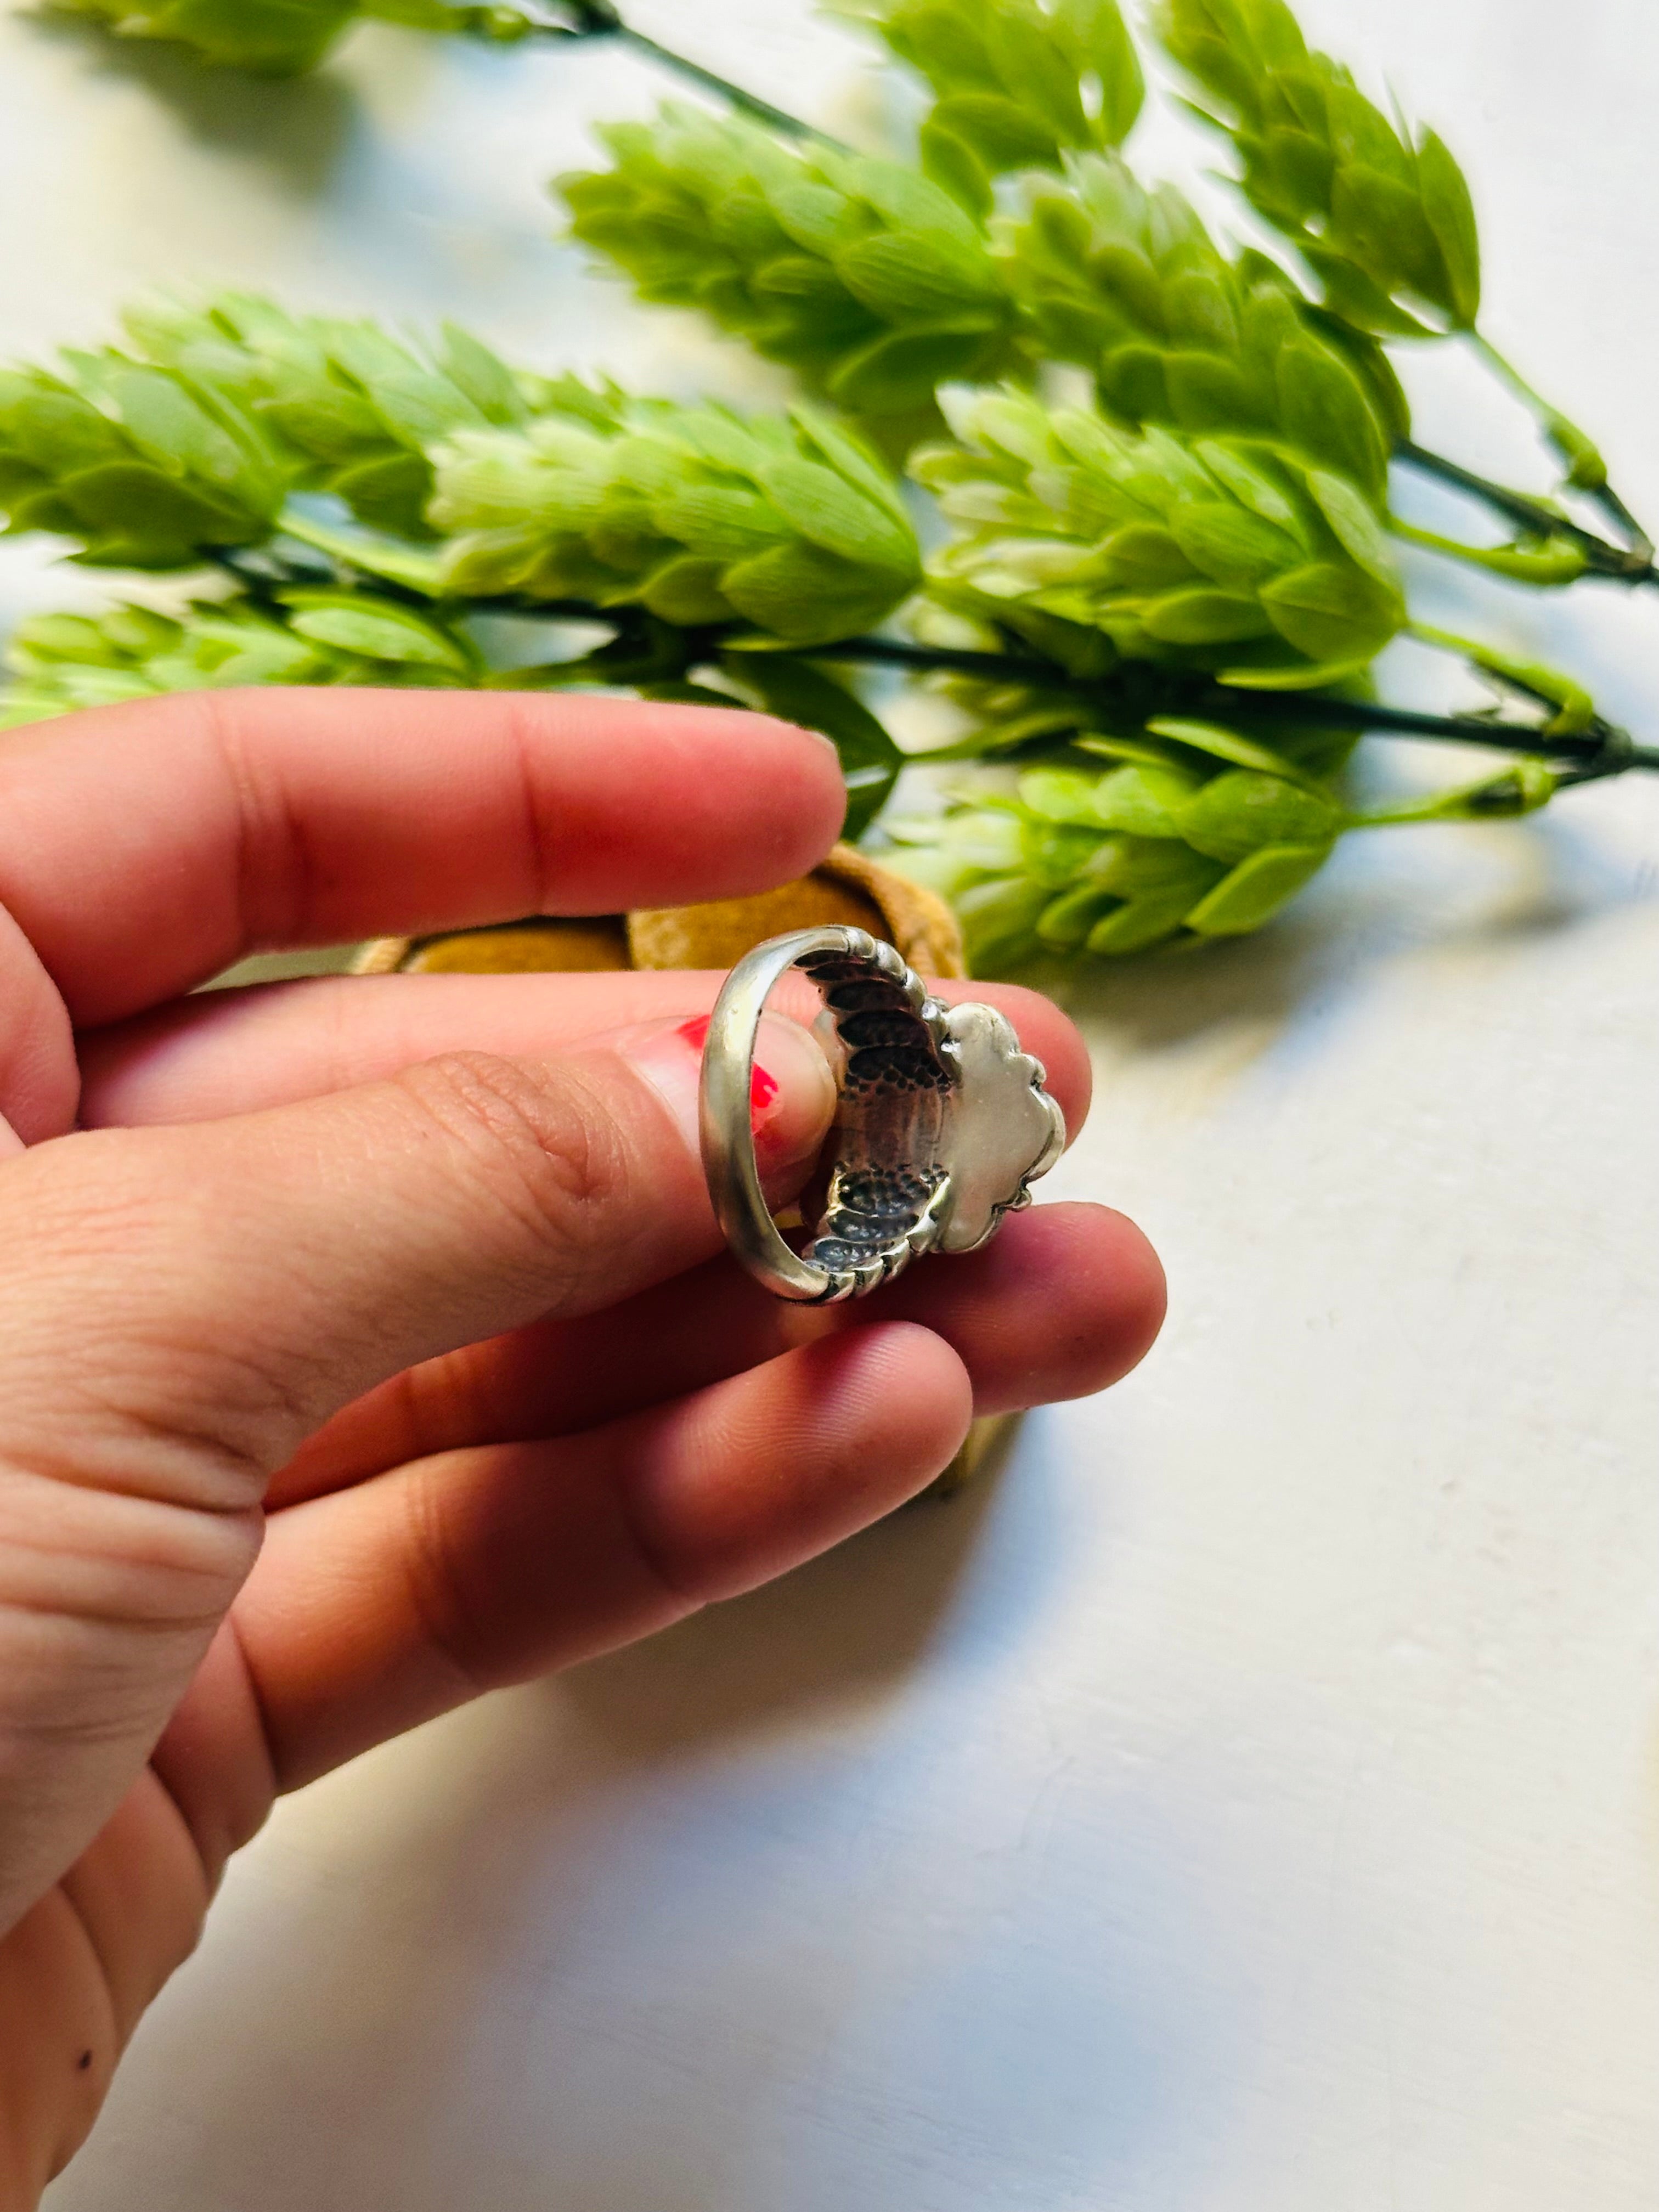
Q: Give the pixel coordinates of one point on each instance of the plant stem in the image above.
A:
(1631, 564)
(1140, 692)
(598, 18)
(1586, 470)
(1135, 690)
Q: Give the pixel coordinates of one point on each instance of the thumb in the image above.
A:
(179, 1308)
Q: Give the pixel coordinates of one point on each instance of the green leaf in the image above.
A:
(1101, 38)
(1325, 411)
(376, 556)
(1143, 801)
(1354, 521)
(686, 590)
(1001, 133)
(954, 165)
(1358, 298)
(852, 458)
(1059, 795)
(1201, 617)
(1208, 393)
(1293, 676)
(481, 376)
(375, 631)
(800, 592)
(1053, 853)
(1142, 557)
(1334, 614)
(1450, 213)
(720, 522)
(827, 511)
(1223, 744)
(870, 761)
(1251, 486)
(389, 493)
(1065, 923)
(168, 424)
(1139, 925)
(1240, 811)
(999, 920)
(1256, 889)
(1231, 545)
(1027, 61)
(146, 507)
(914, 277)
(60, 637)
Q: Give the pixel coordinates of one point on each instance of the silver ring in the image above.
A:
(942, 1123)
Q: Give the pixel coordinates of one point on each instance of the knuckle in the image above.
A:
(545, 1146)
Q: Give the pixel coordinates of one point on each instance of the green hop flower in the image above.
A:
(1129, 283)
(352, 408)
(1201, 551)
(63, 662)
(694, 513)
(1017, 82)
(280, 37)
(863, 274)
(1167, 846)
(145, 467)
(1387, 225)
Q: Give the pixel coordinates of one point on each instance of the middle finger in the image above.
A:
(1066, 1300)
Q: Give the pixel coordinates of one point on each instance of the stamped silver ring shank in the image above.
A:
(942, 1121)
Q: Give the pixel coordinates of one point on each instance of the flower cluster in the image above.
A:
(143, 467)
(1212, 549)
(353, 410)
(1129, 283)
(865, 276)
(698, 516)
(63, 662)
(1156, 616)
(1017, 84)
(1387, 225)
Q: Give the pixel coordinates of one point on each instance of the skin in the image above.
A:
(322, 1405)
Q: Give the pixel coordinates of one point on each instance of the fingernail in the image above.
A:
(800, 730)
(792, 1093)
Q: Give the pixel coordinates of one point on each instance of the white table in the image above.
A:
(1250, 1802)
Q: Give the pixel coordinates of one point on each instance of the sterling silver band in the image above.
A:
(941, 1125)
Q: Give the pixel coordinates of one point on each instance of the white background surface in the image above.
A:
(1250, 1802)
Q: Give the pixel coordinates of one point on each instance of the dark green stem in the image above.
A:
(1587, 472)
(1142, 691)
(1136, 691)
(599, 18)
(1631, 564)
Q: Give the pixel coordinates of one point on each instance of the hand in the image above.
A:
(364, 1343)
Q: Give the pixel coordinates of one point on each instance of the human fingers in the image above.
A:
(379, 1606)
(179, 1308)
(146, 845)
(1065, 1301)
(229, 1052)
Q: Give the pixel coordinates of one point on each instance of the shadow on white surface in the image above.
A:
(295, 129)
(722, 1923)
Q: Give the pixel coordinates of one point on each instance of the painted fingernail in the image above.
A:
(762, 1086)
(792, 1093)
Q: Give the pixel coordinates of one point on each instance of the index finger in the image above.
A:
(145, 846)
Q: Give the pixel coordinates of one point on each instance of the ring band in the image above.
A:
(942, 1123)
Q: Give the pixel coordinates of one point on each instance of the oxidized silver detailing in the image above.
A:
(941, 1126)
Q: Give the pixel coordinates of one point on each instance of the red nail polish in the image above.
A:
(763, 1087)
